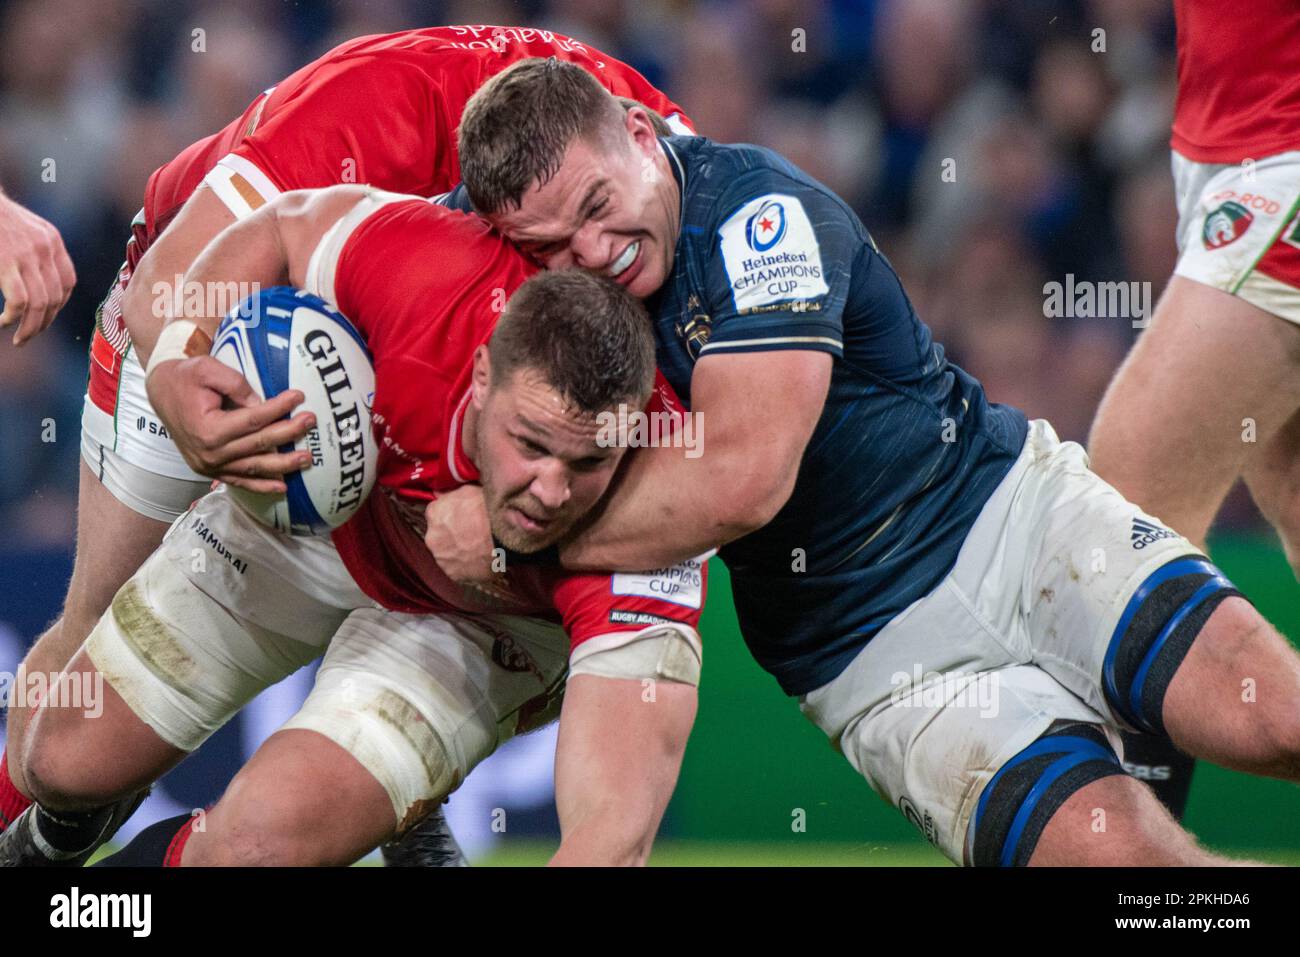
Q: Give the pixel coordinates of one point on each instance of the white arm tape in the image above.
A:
(174, 343)
(671, 652)
(324, 261)
(240, 185)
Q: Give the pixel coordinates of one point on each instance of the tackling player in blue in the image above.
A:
(967, 611)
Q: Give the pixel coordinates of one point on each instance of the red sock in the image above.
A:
(172, 858)
(12, 801)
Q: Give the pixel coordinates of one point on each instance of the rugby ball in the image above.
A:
(282, 338)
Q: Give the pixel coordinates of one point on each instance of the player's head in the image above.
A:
(568, 347)
(563, 169)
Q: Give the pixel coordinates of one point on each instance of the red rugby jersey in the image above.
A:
(1238, 79)
(423, 285)
(381, 110)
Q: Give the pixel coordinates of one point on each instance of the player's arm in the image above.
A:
(628, 707)
(36, 275)
(193, 392)
(616, 764)
(147, 303)
(756, 412)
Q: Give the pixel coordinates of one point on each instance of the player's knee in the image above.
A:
(1019, 800)
(1154, 634)
(57, 774)
(259, 825)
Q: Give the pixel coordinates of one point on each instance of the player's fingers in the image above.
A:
(15, 293)
(64, 269)
(243, 422)
(39, 321)
(271, 465)
(216, 375)
(267, 442)
(38, 303)
(270, 438)
(262, 486)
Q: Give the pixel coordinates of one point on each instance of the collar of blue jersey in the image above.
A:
(679, 174)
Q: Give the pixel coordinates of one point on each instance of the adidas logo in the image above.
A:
(1145, 533)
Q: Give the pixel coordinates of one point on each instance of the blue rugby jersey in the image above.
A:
(907, 449)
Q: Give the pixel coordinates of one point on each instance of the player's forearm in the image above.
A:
(605, 839)
(668, 508)
(156, 293)
(616, 764)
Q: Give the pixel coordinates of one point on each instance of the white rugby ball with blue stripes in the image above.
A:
(282, 338)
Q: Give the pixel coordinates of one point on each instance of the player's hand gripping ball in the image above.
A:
(283, 338)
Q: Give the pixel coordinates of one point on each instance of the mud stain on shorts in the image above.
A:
(152, 638)
(440, 777)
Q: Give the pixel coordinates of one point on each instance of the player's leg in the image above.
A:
(1000, 768)
(964, 711)
(302, 800)
(403, 708)
(1273, 476)
(79, 759)
(194, 635)
(1146, 630)
(133, 484)
(1235, 698)
(112, 542)
(1212, 379)
(1063, 801)
(1118, 821)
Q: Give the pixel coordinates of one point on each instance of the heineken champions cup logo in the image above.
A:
(1225, 224)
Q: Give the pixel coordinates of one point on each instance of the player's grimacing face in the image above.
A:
(541, 463)
(611, 208)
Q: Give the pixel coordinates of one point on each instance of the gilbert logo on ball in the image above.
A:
(282, 339)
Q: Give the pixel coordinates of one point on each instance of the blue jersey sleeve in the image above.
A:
(458, 198)
(780, 265)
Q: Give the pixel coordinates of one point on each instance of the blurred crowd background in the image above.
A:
(1056, 154)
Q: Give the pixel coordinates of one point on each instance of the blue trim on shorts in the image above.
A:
(1078, 750)
(1180, 566)
(1215, 584)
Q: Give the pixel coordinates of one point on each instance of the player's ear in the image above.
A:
(482, 376)
(641, 128)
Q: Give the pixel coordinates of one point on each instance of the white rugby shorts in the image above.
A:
(227, 607)
(1239, 229)
(1010, 641)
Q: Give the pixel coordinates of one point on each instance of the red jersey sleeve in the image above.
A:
(595, 605)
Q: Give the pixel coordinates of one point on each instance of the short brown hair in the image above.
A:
(657, 121)
(517, 127)
(587, 336)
